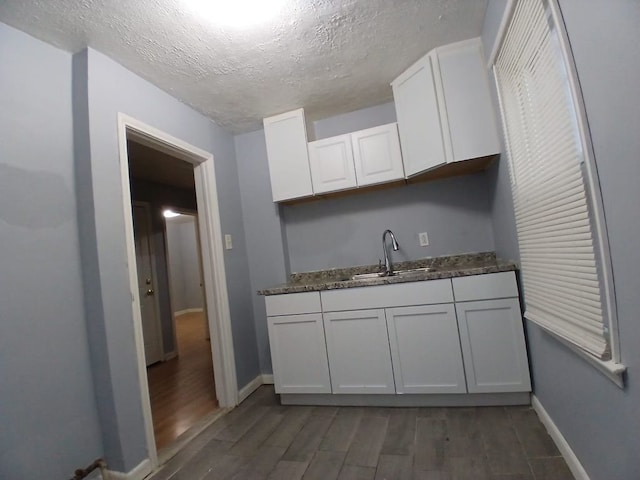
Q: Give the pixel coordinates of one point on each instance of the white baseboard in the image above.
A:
(170, 355)
(253, 385)
(187, 310)
(249, 388)
(573, 463)
(138, 473)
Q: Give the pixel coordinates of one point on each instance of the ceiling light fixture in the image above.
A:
(236, 13)
(170, 214)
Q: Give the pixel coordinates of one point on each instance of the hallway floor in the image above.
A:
(182, 390)
(261, 439)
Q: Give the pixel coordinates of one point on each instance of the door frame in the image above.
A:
(216, 293)
(154, 276)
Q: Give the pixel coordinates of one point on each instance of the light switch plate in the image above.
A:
(424, 239)
(228, 242)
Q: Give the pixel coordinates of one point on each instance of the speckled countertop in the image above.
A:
(440, 267)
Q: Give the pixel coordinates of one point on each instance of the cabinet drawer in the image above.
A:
(293, 303)
(484, 287)
(383, 296)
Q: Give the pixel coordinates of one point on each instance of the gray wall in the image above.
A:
(265, 250)
(160, 196)
(112, 89)
(347, 231)
(184, 268)
(49, 424)
(600, 421)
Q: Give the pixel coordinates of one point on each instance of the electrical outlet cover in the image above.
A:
(424, 239)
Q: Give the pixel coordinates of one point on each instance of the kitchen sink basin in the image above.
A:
(397, 273)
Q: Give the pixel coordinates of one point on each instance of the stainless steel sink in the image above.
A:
(367, 276)
(398, 273)
(413, 270)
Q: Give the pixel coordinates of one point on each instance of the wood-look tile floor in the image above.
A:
(182, 390)
(261, 439)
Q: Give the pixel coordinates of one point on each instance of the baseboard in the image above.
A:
(253, 385)
(170, 355)
(138, 473)
(249, 388)
(187, 310)
(573, 463)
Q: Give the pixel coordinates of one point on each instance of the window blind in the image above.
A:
(560, 274)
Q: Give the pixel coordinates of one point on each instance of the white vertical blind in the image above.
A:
(560, 275)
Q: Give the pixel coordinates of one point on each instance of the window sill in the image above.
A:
(609, 368)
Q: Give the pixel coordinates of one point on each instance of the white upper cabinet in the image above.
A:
(444, 108)
(376, 154)
(331, 163)
(414, 94)
(286, 137)
(467, 101)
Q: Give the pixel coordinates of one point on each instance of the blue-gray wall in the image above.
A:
(48, 419)
(113, 89)
(347, 231)
(264, 239)
(600, 421)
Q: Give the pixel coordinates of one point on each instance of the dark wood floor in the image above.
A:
(261, 439)
(182, 390)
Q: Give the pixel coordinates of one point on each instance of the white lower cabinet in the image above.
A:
(358, 350)
(493, 346)
(298, 354)
(425, 348)
(445, 336)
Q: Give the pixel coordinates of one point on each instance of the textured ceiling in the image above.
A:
(327, 56)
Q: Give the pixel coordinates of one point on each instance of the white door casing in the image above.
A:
(216, 294)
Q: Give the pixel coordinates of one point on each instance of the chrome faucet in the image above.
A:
(388, 266)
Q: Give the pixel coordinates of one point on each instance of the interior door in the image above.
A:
(146, 286)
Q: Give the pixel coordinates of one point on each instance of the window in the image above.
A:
(562, 238)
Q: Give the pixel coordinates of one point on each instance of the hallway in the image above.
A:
(182, 390)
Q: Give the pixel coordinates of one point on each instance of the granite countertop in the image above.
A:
(440, 267)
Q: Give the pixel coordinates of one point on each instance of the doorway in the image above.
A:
(217, 316)
(173, 309)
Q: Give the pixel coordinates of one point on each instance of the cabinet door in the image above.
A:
(298, 354)
(414, 95)
(286, 138)
(376, 154)
(493, 346)
(425, 349)
(331, 163)
(468, 109)
(358, 350)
